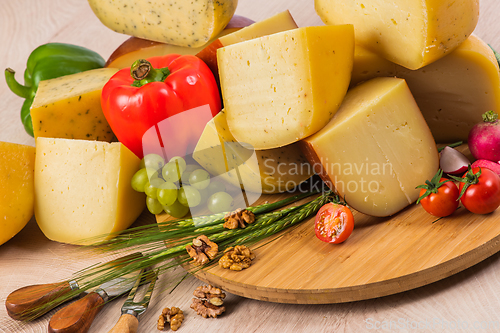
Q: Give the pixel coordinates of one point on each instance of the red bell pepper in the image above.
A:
(138, 99)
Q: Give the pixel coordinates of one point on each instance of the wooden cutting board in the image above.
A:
(383, 256)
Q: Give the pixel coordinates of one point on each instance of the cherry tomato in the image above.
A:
(482, 195)
(334, 223)
(442, 203)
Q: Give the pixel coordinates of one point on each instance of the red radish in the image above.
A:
(484, 138)
(453, 162)
(493, 166)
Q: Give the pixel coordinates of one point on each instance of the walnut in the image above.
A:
(206, 309)
(238, 218)
(237, 258)
(174, 316)
(202, 250)
(209, 301)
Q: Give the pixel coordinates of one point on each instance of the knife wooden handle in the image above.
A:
(21, 302)
(78, 316)
(126, 324)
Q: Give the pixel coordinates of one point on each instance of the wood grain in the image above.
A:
(29, 258)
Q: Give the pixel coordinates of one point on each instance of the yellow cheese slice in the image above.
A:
(411, 33)
(70, 107)
(281, 88)
(261, 171)
(82, 189)
(17, 163)
(183, 23)
(452, 93)
(376, 149)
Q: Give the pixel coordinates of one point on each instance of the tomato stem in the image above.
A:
(143, 73)
(470, 178)
(433, 185)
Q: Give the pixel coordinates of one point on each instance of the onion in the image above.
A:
(453, 162)
(484, 138)
(493, 166)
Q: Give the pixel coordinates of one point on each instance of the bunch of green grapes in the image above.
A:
(175, 187)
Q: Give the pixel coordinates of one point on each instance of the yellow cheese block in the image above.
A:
(277, 23)
(16, 188)
(376, 149)
(281, 88)
(452, 93)
(82, 189)
(183, 23)
(70, 107)
(261, 171)
(411, 33)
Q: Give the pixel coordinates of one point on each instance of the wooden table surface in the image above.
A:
(467, 301)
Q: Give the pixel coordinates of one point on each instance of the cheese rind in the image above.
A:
(411, 33)
(376, 149)
(452, 93)
(82, 189)
(70, 107)
(183, 23)
(17, 163)
(286, 86)
(260, 171)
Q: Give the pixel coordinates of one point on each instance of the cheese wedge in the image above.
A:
(17, 163)
(280, 22)
(411, 33)
(183, 23)
(376, 149)
(261, 171)
(82, 189)
(281, 88)
(70, 107)
(452, 93)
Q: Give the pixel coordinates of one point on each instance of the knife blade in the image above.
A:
(21, 303)
(132, 310)
(79, 315)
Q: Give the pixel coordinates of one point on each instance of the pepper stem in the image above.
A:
(490, 117)
(143, 73)
(16, 87)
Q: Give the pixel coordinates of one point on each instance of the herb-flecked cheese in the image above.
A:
(70, 107)
(185, 23)
(261, 171)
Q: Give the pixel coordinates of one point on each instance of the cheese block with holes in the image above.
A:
(82, 189)
(376, 149)
(411, 33)
(281, 88)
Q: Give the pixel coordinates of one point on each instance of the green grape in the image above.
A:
(220, 202)
(189, 169)
(176, 210)
(150, 190)
(156, 181)
(154, 206)
(152, 161)
(216, 186)
(199, 179)
(181, 163)
(167, 193)
(204, 195)
(139, 180)
(152, 174)
(189, 196)
(170, 172)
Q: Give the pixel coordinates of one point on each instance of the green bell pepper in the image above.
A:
(46, 62)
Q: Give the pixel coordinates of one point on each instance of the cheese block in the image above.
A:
(376, 149)
(452, 93)
(17, 163)
(183, 23)
(281, 88)
(411, 33)
(261, 171)
(280, 22)
(70, 107)
(82, 189)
